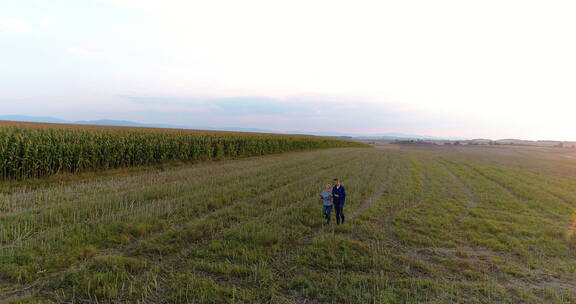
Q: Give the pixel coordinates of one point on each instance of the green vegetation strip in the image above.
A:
(43, 151)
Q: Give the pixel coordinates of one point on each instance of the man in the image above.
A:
(339, 195)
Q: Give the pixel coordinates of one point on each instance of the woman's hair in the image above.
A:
(328, 185)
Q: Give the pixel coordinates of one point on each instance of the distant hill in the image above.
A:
(393, 136)
(119, 123)
(32, 119)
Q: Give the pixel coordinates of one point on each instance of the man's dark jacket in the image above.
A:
(341, 194)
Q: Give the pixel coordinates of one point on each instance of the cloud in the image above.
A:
(15, 25)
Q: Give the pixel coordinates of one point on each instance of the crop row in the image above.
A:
(36, 152)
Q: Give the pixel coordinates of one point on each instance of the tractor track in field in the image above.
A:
(509, 191)
(496, 182)
(386, 222)
(560, 198)
(550, 192)
(411, 204)
(471, 198)
(368, 203)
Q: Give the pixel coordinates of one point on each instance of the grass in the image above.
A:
(421, 226)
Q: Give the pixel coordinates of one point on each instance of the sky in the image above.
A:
(490, 69)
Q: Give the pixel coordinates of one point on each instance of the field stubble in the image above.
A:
(422, 227)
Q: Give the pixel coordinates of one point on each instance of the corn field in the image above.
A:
(30, 152)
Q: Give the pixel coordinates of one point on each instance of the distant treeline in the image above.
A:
(28, 152)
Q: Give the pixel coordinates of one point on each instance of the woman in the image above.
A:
(326, 197)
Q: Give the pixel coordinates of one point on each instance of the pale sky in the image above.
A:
(495, 69)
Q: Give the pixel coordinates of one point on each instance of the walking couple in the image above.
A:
(334, 195)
